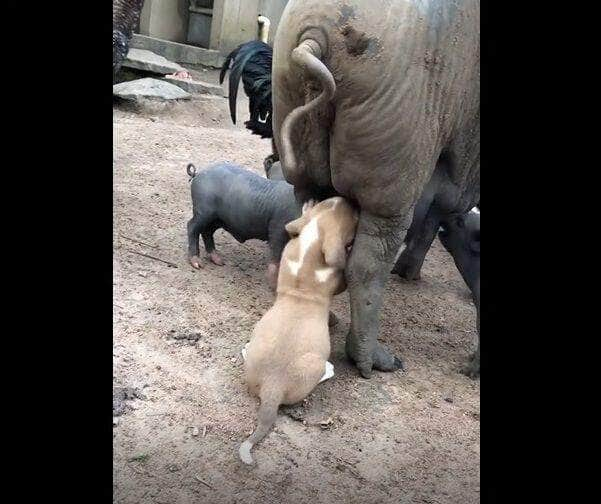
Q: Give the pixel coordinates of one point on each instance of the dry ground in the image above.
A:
(402, 438)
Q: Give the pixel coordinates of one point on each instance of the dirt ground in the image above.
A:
(183, 406)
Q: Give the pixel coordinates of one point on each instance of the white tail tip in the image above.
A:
(244, 452)
(243, 352)
(329, 372)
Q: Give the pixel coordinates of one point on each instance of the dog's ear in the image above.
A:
(295, 227)
(308, 205)
(334, 250)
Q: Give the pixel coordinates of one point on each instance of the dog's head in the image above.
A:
(338, 223)
(334, 222)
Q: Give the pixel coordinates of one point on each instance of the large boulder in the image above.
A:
(195, 86)
(149, 88)
(141, 59)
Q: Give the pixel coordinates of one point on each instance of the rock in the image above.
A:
(326, 424)
(121, 396)
(149, 88)
(141, 59)
(195, 431)
(115, 421)
(195, 86)
(184, 335)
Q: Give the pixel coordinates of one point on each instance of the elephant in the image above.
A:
(369, 98)
(126, 16)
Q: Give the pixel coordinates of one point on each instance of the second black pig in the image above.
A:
(246, 205)
(460, 235)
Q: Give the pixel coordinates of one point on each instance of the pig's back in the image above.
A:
(238, 198)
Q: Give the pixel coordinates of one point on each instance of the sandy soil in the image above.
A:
(183, 407)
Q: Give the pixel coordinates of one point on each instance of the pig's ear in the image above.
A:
(295, 227)
(334, 250)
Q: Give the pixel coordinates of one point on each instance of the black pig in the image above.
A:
(243, 203)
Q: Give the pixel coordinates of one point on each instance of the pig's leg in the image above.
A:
(470, 272)
(194, 228)
(411, 260)
(278, 237)
(376, 244)
(207, 238)
(473, 367)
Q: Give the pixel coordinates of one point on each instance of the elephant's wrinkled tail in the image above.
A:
(271, 397)
(307, 54)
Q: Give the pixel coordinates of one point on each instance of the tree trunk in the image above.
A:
(126, 16)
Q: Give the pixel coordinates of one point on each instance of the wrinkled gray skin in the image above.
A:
(461, 238)
(405, 95)
(243, 203)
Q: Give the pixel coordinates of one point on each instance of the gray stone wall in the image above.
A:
(233, 21)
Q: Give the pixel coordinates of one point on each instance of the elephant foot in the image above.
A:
(472, 369)
(379, 359)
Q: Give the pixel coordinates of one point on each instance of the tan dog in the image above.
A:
(287, 355)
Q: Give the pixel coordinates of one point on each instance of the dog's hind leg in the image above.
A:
(305, 372)
(271, 397)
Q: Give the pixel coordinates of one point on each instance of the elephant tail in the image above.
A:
(307, 55)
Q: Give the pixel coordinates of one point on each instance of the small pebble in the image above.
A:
(195, 431)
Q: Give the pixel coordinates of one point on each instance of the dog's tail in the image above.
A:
(271, 397)
(191, 170)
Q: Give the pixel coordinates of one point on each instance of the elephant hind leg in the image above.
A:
(376, 244)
